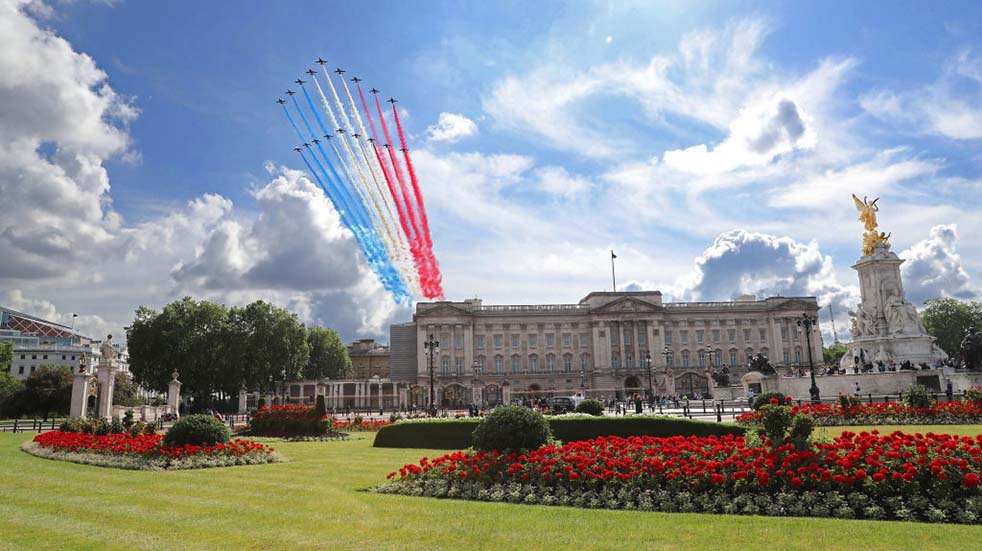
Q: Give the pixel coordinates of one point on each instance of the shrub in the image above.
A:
(261, 403)
(196, 430)
(320, 409)
(128, 418)
(918, 397)
(802, 426)
(512, 428)
(974, 395)
(116, 426)
(289, 421)
(455, 434)
(102, 427)
(765, 398)
(776, 420)
(590, 407)
(849, 400)
(72, 424)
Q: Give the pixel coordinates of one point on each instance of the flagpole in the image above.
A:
(613, 277)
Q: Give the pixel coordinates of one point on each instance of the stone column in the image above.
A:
(174, 394)
(243, 401)
(80, 393)
(106, 374)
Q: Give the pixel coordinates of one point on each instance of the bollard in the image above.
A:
(15, 426)
(871, 397)
(719, 413)
(704, 406)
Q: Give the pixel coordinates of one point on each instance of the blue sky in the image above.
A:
(713, 145)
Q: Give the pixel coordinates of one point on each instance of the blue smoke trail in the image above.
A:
(367, 237)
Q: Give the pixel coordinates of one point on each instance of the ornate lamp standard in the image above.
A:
(432, 346)
(478, 371)
(646, 359)
(806, 322)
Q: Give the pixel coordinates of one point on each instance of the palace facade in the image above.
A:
(601, 346)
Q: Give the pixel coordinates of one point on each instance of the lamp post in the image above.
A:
(646, 358)
(478, 371)
(806, 322)
(432, 346)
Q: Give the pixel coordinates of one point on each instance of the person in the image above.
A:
(750, 398)
(638, 404)
(949, 391)
(856, 392)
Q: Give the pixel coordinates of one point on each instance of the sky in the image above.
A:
(713, 146)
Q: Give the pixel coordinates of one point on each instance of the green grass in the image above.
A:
(961, 430)
(316, 500)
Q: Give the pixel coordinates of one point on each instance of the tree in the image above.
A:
(6, 355)
(947, 319)
(48, 390)
(833, 353)
(328, 355)
(270, 344)
(10, 390)
(125, 393)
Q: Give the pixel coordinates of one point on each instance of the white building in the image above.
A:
(600, 346)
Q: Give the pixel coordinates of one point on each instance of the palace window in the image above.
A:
(763, 335)
(628, 359)
(715, 335)
(685, 358)
(733, 360)
(514, 341)
(731, 333)
(550, 340)
(551, 363)
(499, 364)
(797, 356)
(567, 340)
(458, 341)
(668, 337)
(700, 336)
(533, 363)
(568, 363)
(498, 340)
(627, 338)
(642, 338)
(584, 341)
(794, 332)
(746, 335)
(459, 364)
(445, 365)
(784, 332)
(684, 336)
(533, 340)
(787, 357)
(702, 359)
(479, 342)
(516, 364)
(585, 362)
(615, 360)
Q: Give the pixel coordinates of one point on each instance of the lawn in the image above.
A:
(316, 500)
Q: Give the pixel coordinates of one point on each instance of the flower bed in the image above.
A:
(360, 426)
(932, 477)
(883, 413)
(145, 451)
(289, 420)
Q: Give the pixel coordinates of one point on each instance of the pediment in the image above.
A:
(626, 305)
(443, 311)
(798, 304)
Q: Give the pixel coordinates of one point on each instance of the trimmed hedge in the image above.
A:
(197, 430)
(455, 434)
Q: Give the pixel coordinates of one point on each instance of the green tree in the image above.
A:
(10, 389)
(270, 345)
(328, 355)
(833, 353)
(48, 390)
(947, 319)
(125, 392)
(6, 355)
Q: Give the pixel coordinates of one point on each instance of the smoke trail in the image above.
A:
(419, 204)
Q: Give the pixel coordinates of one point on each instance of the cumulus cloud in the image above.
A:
(451, 128)
(933, 268)
(947, 107)
(556, 181)
(740, 262)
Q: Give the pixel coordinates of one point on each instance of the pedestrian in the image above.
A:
(856, 392)
(750, 398)
(949, 391)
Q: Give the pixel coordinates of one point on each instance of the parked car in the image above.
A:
(562, 404)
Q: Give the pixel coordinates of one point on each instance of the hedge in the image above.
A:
(455, 434)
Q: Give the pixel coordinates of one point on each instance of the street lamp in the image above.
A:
(806, 322)
(478, 371)
(432, 346)
(647, 365)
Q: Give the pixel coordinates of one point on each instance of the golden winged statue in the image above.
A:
(867, 215)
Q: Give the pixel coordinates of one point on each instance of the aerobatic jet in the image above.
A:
(328, 136)
(374, 91)
(393, 101)
(297, 149)
(340, 130)
(290, 92)
(321, 61)
(280, 101)
(356, 80)
(371, 140)
(316, 141)
(300, 82)
(356, 135)
(311, 72)
(305, 144)
(340, 71)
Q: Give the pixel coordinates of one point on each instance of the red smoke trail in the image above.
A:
(437, 278)
(406, 221)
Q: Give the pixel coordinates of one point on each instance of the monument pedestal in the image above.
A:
(106, 374)
(81, 382)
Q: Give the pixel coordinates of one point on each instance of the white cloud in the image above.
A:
(933, 268)
(948, 107)
(451, 128)
(556, 181)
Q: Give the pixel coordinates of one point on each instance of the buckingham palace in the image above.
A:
(608, 345)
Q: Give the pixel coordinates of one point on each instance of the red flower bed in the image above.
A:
(289, 420)
(868, 475)
(882, 413)
(147, 446)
